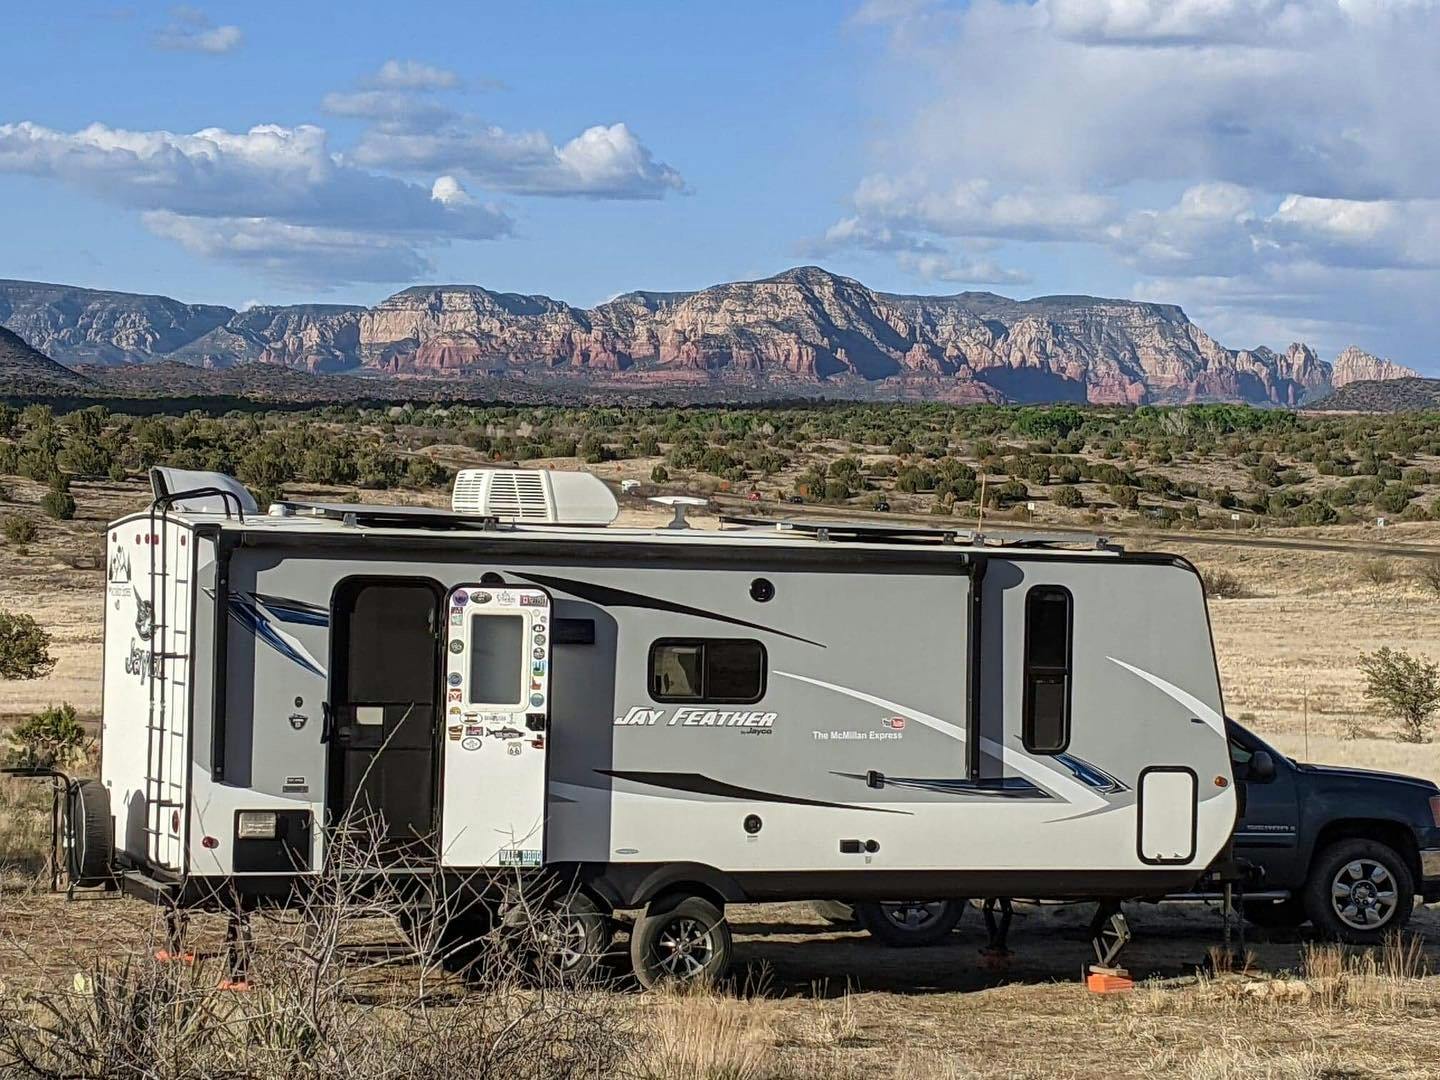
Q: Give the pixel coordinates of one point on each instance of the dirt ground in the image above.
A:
(819, 1001)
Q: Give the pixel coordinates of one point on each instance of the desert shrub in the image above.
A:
(1429, 576)
(1377, 571)
(1223, 585)
(58, 503)
(1404, 687)
(1069, 496)
(24, 647)
(17, 529)
(659, 475)
(52, 739)
(313, 1013)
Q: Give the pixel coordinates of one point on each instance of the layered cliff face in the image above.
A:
(805, 328)
(1356, 365)
(88, 326)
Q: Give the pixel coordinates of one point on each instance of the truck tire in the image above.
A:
(1276, 914)
(910, 923)
(1359, 890)
(89, 836)
(680, 938)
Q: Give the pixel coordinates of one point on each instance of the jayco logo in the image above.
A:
(140, 662)
(691, 717)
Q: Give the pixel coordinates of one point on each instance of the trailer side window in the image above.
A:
(1048, 629)
(719, 670)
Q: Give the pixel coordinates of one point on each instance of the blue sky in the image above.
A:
(1271, 165)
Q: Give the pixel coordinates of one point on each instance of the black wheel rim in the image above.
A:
(684, 948)
(913, 914)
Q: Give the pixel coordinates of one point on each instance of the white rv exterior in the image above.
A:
(755, 713)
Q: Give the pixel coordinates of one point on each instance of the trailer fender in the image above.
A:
(635, 885)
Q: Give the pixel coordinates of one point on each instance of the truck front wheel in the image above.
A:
(1359, 890)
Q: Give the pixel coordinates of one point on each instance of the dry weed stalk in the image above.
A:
(335, 995)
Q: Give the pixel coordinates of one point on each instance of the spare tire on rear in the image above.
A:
(89, 836)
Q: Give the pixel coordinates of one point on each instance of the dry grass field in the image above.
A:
(808, 1000)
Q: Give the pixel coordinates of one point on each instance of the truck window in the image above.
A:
(718, 670)
(1048, 628)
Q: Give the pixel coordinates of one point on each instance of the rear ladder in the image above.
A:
(166, 751)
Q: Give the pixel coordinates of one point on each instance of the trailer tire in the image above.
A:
(89, 836)
(1359, 890)
(910, 924)
(680, 938)
(573, 941)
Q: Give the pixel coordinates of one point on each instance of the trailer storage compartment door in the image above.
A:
(497, 707)
(1167, 814)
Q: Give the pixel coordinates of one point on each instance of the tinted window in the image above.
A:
(716, 670)
(497, 656)
(1048, 630)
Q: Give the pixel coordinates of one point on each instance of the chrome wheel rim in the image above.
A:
(913, 914)
(1364, 894)
(570, 948)
(684, 948)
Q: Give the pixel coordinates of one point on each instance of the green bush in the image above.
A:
(659, 475)
(1068, 496)
(58, 504)
(17, 529)
(51, 739)
(1405, 688)
(24, 647)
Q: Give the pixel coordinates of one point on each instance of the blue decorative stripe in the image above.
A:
(293, 611)
(247, 613)
(1091, 775)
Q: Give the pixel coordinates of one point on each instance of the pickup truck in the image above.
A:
(1347, 850)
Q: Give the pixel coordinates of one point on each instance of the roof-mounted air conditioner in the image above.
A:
(537, 495)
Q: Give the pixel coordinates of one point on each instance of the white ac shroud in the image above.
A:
(561, 498)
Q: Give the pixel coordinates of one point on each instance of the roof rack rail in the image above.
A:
(887, 533)
(421, 517)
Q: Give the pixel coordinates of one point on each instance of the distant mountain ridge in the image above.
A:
(805, 331)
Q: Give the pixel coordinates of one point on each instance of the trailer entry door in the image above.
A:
(384, 709)
(497, 708)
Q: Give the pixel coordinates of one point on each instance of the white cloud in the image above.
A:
(414, 75)
(1208, 141)
(190, 30)
(389, 110)
(944, 268)
(603, 162)
(231, 194)
(305, 254)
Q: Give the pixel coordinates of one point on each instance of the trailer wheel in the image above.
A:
(89, 839)
(681, 939)
(571, 939)
(909, 923)
(1359, 890)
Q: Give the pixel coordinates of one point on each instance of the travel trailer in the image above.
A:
(666, 720)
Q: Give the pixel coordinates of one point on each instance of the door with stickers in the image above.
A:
(497, 709)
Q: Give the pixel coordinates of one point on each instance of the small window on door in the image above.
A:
(497, 655)
(1049, 627)
(713, 670)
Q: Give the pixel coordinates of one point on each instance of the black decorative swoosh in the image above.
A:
(706, 785)
(605, 596)
(1007, 787)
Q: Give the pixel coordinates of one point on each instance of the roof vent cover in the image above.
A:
(534, 495)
